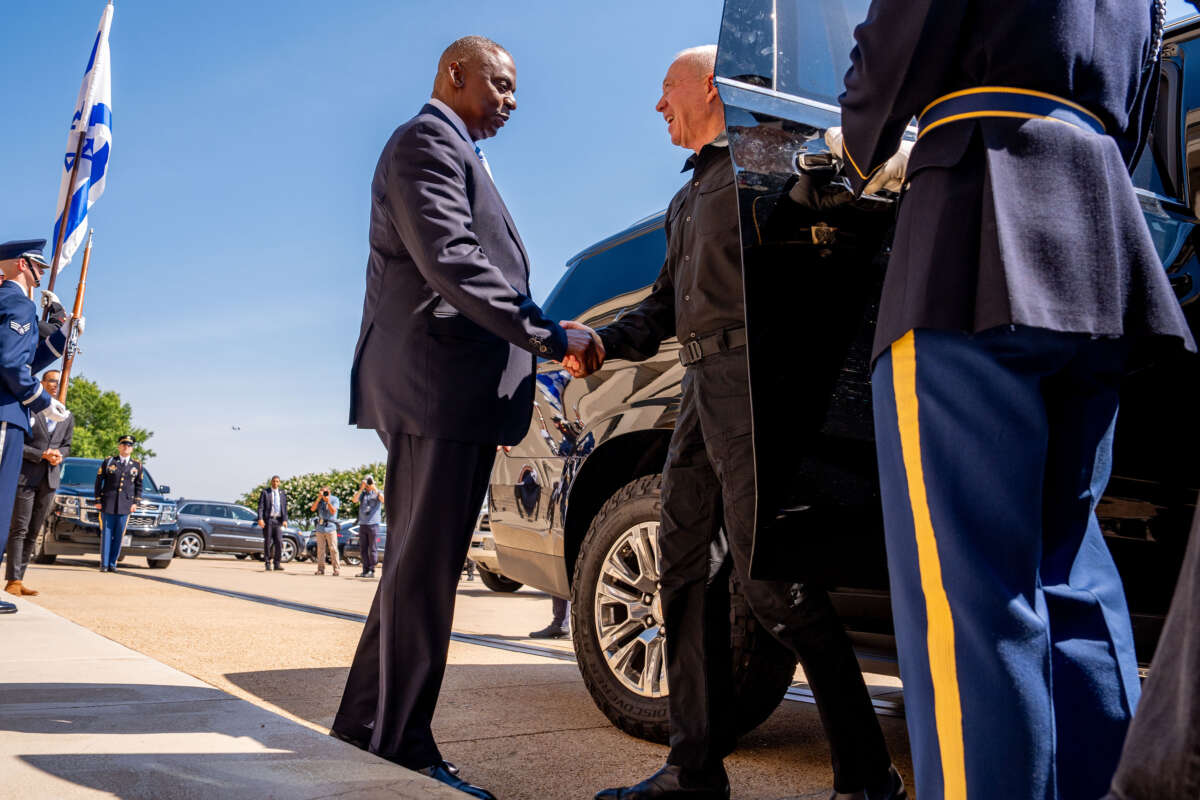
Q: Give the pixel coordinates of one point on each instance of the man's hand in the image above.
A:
(585, 351)
(56, 411)
(97, 506)
(833, 140)
(49, 298)
(891, 175)
(262, 524)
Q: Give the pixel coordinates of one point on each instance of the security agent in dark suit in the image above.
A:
(444, 371)
(22, 353)
(46, 445)
(118, 492)
(1021, 279)
(709, 485)
(272, 516)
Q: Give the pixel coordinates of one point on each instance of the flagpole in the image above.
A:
(62, 228)
(72, 346)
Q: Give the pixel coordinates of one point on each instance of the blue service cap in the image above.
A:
(32, 248)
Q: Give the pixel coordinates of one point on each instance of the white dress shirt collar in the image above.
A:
(454, 118)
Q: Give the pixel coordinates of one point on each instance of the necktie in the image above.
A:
(483, 160)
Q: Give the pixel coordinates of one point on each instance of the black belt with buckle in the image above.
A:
(696, 350)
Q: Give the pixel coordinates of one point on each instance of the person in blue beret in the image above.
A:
(22, 353)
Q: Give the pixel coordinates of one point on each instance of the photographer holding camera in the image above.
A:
(370, 514)
(326, 505)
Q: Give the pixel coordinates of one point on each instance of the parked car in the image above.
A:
(215, 527)
(575, 506)
(483, 553)
(353, 551)
(310, 545)
(73, 526)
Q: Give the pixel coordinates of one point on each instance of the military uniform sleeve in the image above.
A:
(50, 349)
(18, 334)
(428, 204)
(903, 51)
(637, 335)
(137, 483)
(100, 478)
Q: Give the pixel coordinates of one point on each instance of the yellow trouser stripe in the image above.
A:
(943, 668)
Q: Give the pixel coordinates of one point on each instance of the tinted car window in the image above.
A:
(243, 513)
(76, 473)
(189, 508)
(214, 510)
(807, 54)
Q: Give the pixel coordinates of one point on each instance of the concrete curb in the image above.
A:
(84, 717)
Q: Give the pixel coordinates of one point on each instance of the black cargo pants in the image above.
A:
(709, 482)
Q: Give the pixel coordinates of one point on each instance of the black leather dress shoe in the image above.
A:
(551, 631)
(442, 775)
(7, 608)
(673, 783)
(892, 790)
(351, 740)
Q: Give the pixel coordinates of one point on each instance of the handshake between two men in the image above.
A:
(585, 351)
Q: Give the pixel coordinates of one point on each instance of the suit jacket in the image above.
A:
(1030, 222)
(264, 505)
(35, 469)
(118, 486)
(449, 335)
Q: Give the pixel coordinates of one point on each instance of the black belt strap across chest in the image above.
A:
(700, 348)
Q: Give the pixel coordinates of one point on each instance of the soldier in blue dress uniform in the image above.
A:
(1022, 281)
(118, 492)
(22, 352)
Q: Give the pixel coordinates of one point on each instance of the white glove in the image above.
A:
(55, 412)
(49, 297)
(833, 140)
(891, 175)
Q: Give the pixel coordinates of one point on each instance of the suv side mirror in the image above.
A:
(164, 490)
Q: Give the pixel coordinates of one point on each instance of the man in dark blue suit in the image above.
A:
(21, 354)
(444, 372)
(1022, 280)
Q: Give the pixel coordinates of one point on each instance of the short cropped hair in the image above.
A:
(704, 58)
(468, 49)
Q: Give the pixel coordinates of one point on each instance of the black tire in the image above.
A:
(497, 582)
(190, 544)
(240, 556)
(763, 668)
(288, 552)
(40, 556)
(257, 556)
(159, 563)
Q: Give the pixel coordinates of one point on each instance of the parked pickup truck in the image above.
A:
(73, 526)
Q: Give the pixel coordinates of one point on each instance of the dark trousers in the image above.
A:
(112, 530)
(366, 545)
(30, 508)
(434, 491)
(559, 606)
(272, 540)
(1015, 643)
(12, 444)
(709, 482)
(1161, 758)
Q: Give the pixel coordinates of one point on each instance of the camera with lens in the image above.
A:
(325, 493)
(370, 481)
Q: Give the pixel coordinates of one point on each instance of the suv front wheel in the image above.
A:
(616, 623)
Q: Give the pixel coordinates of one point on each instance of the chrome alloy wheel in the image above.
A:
(190, 545)
(628, 613)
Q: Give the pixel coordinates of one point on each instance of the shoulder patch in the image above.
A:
(19, 328)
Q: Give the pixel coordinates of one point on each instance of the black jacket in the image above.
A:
(34, 468)
(118, 487)
(264, 505)
(449, 335)
(1031, 222)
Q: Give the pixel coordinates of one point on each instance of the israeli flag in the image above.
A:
(93, 122)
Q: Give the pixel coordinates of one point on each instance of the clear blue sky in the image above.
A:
(226, 286)
(231, 243)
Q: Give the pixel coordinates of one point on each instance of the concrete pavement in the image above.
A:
(83, 717)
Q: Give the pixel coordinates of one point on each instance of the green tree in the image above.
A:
(100, 419)
(302, 490)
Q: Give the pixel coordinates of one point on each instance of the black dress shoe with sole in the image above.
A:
(361, 744)
(441, 774)
(892, 789)
(551, 631)
(673, 783)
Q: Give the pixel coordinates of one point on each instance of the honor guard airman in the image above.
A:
(22, 352)
(1022, 278)
(118, 492)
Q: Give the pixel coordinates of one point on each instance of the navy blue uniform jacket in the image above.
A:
(21, 355)
(449, 336)
(1031, 222)
(118, 486)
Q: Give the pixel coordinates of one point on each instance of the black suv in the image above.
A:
(596, 447)
(215, 527)
(73, 527)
